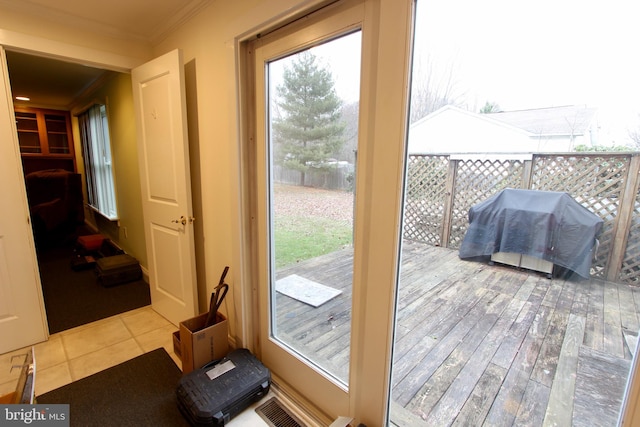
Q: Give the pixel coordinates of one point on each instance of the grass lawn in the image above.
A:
(301, 238)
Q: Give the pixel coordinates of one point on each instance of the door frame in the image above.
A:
(385, 94)
(24, 321)
(28, 44)
(14, 41)
(323, 26)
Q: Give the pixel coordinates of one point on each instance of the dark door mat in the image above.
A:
(138, 392)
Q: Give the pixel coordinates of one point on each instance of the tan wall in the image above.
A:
(208, 45)
(128, 232)
(45, 34)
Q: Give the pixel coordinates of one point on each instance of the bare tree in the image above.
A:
(432, 88)
(634, 135)
(350, 118)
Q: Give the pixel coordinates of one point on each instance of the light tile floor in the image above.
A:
(79, 352)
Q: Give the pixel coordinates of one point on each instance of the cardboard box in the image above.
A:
(200, 345)
(176, 344)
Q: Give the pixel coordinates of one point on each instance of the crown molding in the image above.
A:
(159, 32)
(190, 10)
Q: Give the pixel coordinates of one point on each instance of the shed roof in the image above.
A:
(565, 120)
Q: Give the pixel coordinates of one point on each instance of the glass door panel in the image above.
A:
(313, 117)
(488, 330)
(307, 81)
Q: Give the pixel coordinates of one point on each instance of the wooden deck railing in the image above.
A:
(441, 189)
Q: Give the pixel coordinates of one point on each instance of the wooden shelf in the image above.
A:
(45, 138)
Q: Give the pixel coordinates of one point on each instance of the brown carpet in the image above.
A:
(74, 298)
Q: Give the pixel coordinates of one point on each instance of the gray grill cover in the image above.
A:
(544, 224)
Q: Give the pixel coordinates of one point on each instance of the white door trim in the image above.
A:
(326, 393)
(68, 52)
(23, 319)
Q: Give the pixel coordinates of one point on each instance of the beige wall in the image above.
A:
(128, 232)
(43, 34)
(208, 43)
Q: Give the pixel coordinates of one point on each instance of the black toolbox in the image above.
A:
(117, 269)
(215, 393)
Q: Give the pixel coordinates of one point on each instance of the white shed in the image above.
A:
(453, 130)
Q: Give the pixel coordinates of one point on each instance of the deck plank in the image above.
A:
(613, 342)
(553, 294)
(600, 384)
(560, 409)
(581, 300)
(477, 344)
(527, 288)
(545, 367)
(567, 296)
(636, 297)
(506, 405)
(534, 405)
(451, 403)
(628, 315)
(422, 371)
(594, 326)
(410, 354)
(477, 406)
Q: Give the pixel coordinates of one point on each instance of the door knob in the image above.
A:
(182, 220)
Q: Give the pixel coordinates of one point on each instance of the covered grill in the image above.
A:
(547, 225)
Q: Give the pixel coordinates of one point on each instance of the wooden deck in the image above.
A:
(479, 344)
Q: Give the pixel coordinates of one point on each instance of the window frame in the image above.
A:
(98, 160)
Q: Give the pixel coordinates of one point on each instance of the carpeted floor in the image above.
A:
(74, 298)
(139, 392)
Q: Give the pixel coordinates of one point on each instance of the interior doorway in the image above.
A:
(72, 296)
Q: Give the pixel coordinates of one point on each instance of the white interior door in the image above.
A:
(163, 152)
(22, 315)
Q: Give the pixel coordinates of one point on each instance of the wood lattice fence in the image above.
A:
(440, 191)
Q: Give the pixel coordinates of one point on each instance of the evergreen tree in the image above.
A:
(490, 107)
(310, 130)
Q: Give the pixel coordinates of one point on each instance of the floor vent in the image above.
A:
(275, 415)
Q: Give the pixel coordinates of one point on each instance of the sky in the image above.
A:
(522, 54)
(535, 54)
(340, 56)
